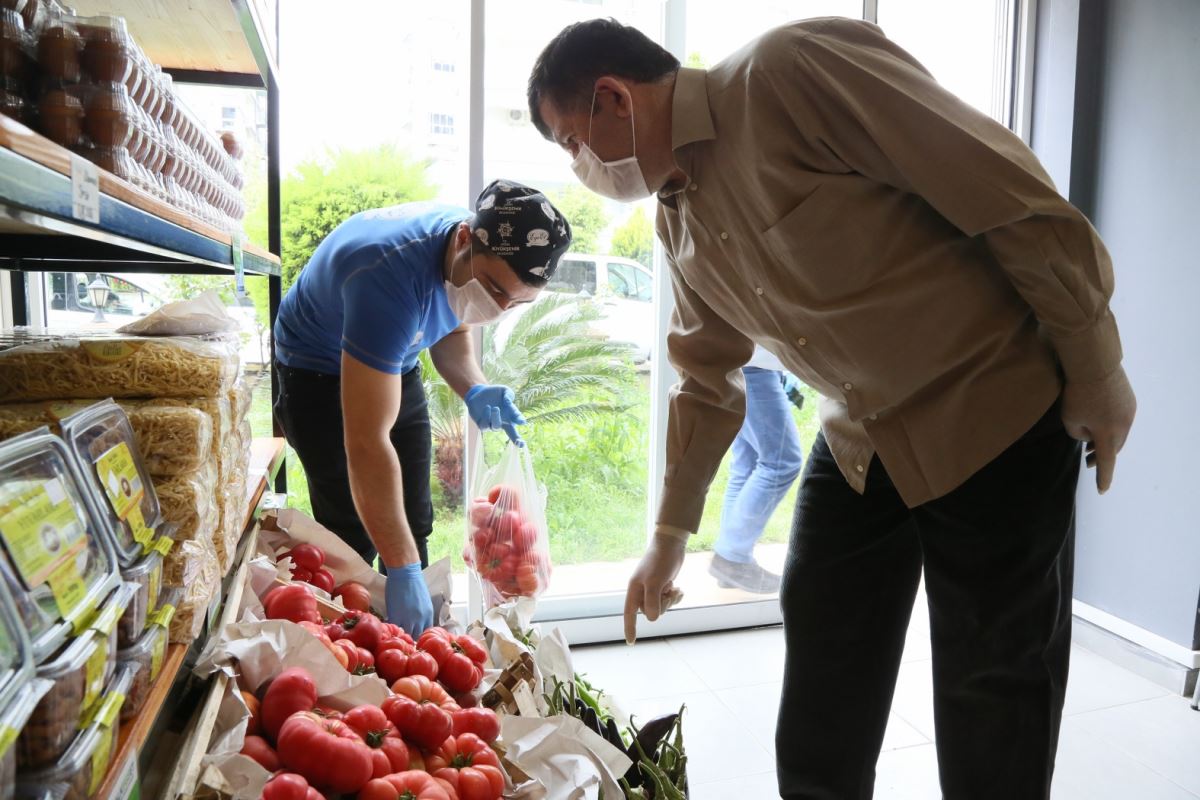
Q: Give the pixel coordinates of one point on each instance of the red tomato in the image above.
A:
(525, 538)
(424, 690)
(528, 581)
(353, 596)
(423, 723)
(308, 556)
(481, 540)
(408, 785)
(505, 497)
(301, 575)
(507, 527)
(350, 650)
(480, 513)
(260, 750)
(482, 722)
(254, 724)
(373, 726)
(365, 659)
(326, 712)
(286, 786)
(394, 664)
(389, 642)
(293, 603)
(460, 658)
(292, 690)
(361, 627)
(473, 783)
(313, 794)
(323, 579)
(328, 753)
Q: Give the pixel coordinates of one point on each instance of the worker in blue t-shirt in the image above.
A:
(384, 285)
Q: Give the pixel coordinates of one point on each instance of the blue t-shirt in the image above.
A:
(373, 288)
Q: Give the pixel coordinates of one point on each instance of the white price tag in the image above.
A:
(85, 190)
(127, 779)
(524, 697)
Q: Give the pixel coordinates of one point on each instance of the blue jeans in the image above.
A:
(766, 461)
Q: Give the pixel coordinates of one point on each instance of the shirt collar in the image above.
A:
(691, 117)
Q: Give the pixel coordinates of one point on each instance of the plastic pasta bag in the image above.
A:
(508, 544)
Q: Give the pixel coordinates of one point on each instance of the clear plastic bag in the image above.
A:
(508, 544)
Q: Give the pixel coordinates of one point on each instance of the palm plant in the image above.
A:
(556, 366)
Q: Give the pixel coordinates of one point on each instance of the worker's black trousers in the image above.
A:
(308, 406)
(998, 560)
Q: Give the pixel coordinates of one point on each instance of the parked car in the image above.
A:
(624, 290)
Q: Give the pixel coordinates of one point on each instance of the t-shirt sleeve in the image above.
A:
(382, 314)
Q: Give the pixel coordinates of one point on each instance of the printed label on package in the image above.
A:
(119, 477)
(41, 531)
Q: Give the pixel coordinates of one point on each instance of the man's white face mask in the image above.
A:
(471, 302)
(619, 180)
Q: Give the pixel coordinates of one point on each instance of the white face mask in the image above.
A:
(472, 303)
(620, 180)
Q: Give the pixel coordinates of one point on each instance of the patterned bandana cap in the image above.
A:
(519, 225)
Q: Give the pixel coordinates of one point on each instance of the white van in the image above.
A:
(624, 289)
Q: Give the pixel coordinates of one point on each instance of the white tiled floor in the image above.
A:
(1123, 737)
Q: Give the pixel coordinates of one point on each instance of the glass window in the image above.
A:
(645, 285)
(621, 280)
(967, 47)
(574, 277)
(713, 33)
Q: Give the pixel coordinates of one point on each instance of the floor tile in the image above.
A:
(737, 658)
(908, 774)
(900, 734)
(1089, 768)
(648, 669)
(716, 740)
(1097, 683)
(756, 707)
(913, 699)
(1163, 734)
(744, 787)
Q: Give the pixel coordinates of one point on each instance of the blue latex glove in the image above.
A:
(492, 408)
(408, 603)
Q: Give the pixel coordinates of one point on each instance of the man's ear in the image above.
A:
(614, 92)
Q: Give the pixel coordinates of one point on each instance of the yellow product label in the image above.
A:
(8, 735)
(110, 351)
(164, 545)
(156, 655)
(100, 759)
(154, 586)
(94, 673)
(70, 593)
(107, 714)
(119, 477)
(162, 617)
(106, 620)
(41, 531)
(142, 534)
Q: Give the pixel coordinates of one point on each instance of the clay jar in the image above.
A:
(60, 117)
(58, 52)
(107, 49)
(109, 119)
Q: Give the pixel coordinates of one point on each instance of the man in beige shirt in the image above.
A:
(822, 196)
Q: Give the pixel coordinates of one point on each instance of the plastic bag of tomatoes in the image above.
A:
(508, 544)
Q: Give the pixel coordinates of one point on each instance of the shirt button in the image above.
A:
(724, 235)
(802, 341)
(693, 187)
(758, 290)
(858, 467)
(848, 386)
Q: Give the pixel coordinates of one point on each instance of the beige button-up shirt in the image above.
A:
(900, 252)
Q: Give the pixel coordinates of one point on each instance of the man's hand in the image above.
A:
(408, 602)
(1101, 414)
(651, 589)
(492, 408)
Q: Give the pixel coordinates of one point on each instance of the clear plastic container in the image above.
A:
(55, 560)
(60, 117)
(16, 652)
(121, 488)
(14, 713)
(59, 50)
(108, 118)
(148, 652)
(74, 675)
(85, 763)
(146, 577)
(107, 49)
(12, 44)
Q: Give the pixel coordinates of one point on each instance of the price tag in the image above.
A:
(94, 677)
(70, 593)
(8, 735)
(154, 586)
(164, 545)
(162, 617)
(156, 656)
(238, 270)
(85, 190)
(524, 697)
(142, 534)
(119, 477)
(100, 759)
(41, 531)
(126, 786)
(107, 620)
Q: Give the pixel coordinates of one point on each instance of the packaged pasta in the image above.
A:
(86, 762)
(189, 501)
(240, 397)
(188, 561)
(37, 365)
(218, 410)
(191, 610)
(121, 488)
(171, 439)
(55, 561)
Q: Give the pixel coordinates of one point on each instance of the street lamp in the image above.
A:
(98, 292)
